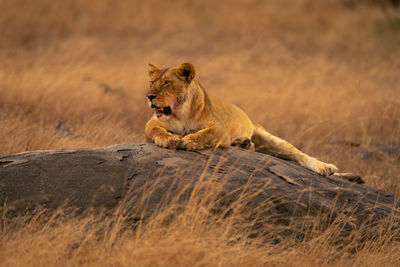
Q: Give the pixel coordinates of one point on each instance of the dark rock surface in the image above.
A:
(269, 190)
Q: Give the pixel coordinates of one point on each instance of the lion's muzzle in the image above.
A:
(167, 111)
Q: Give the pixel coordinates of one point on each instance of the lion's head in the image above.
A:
(168, 89)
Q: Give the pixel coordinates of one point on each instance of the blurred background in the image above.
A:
(324, 75)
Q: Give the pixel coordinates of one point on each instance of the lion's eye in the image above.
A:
(166, 82)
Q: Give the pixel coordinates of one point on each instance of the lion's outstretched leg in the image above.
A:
(270, 144)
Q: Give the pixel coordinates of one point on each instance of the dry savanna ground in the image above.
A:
(324, 75)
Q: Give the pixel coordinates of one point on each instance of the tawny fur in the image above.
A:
(187, 117)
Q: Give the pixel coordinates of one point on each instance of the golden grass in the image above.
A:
(315, 73)
(194, 236)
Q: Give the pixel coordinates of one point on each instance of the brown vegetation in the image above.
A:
(319, 74)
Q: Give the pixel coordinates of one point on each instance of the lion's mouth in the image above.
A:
(163, 111)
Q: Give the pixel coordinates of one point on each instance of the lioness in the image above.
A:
(186, 117)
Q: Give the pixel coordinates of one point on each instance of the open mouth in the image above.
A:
(163, 111)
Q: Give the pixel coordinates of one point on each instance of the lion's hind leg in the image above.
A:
(244, 143)
(270, 144)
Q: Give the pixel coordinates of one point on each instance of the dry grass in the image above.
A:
(183, 235)
(315, 73)
(194, 236)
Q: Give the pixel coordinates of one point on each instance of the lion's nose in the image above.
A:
(151, 97)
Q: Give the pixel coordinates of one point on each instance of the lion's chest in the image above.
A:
(182, 127)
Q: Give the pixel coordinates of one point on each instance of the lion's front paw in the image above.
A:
(327, 169)
(167, 141)
(189, 142)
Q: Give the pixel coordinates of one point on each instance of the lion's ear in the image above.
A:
(185, 72)
(153, 70)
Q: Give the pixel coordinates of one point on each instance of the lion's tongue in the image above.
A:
(158, 113)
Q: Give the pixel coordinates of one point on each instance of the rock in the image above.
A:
(264, 190)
